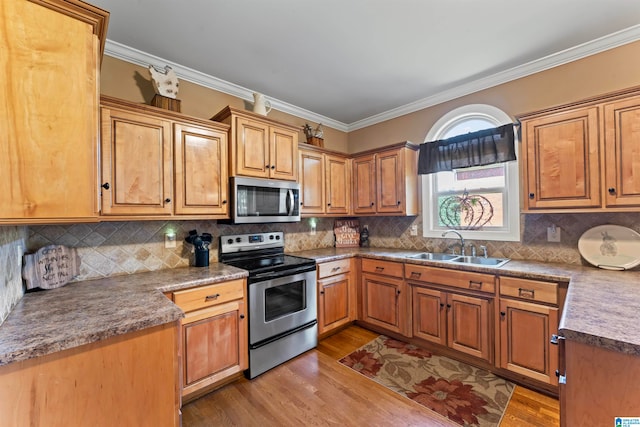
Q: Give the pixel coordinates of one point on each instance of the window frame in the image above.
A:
(498, 117)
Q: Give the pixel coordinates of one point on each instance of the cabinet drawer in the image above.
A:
(388, 268)
(532, 290)
(331, 268)
(458, 279)
(206, 296)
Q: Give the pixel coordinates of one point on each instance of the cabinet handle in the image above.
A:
(526, 293)
(106, 186)
(532, 195)
(612, 191)
(415, 274)
(379, 268)
(241, 316)
(474, 284)
(211, 297)
(502, 313)
(335, 269)
(167, 200)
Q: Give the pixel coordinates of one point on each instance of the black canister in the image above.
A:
(202, 258)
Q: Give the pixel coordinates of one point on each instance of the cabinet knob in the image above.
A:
(242, 316)
(502, 313)
(441, 305)
(167, 200)
(448, 305)
(397, 291)
(106, 186)
(224, 202)
(328, 204)
(399, 202)
(532, 195)
(273, 166)
(322, 292)
(372, 203)
(612, 191)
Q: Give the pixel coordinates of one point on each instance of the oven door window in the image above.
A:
(283, 300)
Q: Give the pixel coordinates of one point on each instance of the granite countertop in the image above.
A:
(602, 307)
(80, 313)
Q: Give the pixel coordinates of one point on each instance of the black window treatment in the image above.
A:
(480, 148)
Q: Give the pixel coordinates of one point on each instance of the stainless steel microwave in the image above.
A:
(257, 200)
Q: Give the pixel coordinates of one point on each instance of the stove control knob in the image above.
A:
(277, 237)
(230, 241)
(271, 237)
(238, 239)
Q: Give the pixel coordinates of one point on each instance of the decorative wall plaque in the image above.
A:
(51, 267)
(347, 233)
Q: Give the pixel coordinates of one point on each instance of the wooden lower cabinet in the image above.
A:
(337, 295)
(461, 322)
(528, 317)
(214, 335)
(385, 300)
(525, 333)
(126, 380)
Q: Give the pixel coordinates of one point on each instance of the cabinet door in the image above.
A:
(214, 344)
(364, 184)
(283, 154)
(201, 171)
(562, 160)
(136, 164)
(622, 153)
(389, 175)
(48, 115)
(334, 302)
(252, 148)
(337, 185)
(312, 182)
(525, 331)
(468, 325)
(383, 302)
(430, 315)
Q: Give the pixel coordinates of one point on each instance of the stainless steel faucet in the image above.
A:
(459, 236)
(483, 248)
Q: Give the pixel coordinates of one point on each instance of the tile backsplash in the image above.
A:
(114, 248)
(12, 245)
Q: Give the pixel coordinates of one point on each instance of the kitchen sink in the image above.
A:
(478, 260)
(434, 256)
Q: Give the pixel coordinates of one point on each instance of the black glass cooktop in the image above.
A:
(275, 263)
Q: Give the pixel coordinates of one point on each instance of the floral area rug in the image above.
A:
(466, 395)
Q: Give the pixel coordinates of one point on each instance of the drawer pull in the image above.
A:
(416, 274)
(526, 293)
(378, 268)
(473, 284)
(211, 297)
(335, 268)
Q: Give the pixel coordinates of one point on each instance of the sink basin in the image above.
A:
(477, 260)
(434, 256)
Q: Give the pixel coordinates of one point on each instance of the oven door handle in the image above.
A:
(288, 272)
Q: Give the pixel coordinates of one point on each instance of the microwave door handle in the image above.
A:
(289, 202)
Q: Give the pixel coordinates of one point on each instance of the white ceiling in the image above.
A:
(352, 63)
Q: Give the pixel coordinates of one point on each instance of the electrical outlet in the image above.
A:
(553, 234)
(312, 232)
(170, 240)
(414, 230)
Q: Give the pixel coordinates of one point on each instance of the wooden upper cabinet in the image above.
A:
(205, 151)
(386, 181)
(158, 163)
(583, 156)
(325, 182)
(364, 184)
(48, 157)
(562, 160)
(622, 152)
(136, 164)
(260, 147)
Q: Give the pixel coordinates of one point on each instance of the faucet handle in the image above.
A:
(473, 249)
(483, 248)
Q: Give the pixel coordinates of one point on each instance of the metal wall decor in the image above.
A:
(465, 212)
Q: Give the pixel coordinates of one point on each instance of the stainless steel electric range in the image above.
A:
(281, 297)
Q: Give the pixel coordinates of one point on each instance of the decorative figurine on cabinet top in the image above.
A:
(165, 83)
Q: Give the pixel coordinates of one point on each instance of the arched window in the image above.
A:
(497, 183)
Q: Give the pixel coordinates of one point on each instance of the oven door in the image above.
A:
(278, 306)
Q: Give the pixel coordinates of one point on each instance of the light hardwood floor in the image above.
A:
(315, 390)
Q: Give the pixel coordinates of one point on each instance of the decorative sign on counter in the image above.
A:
(347, 233)
(51, 267)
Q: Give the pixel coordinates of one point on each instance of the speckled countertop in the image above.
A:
(84, 312)
(602, 307)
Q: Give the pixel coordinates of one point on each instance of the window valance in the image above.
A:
(483, 147)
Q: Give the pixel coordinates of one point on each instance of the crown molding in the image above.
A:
(602, 44)
(143, 59)
(584, 50)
